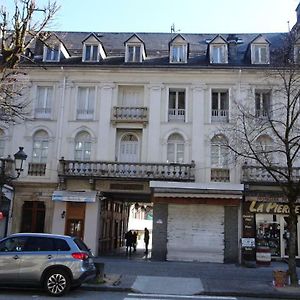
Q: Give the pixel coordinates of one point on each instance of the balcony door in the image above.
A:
(129, 148)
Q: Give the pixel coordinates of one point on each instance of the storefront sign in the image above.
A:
(248, 242)
(74, 196)
(271, 208)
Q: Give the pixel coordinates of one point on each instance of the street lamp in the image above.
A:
(6, 176)
(20, 157)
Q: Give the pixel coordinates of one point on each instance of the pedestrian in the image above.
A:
(129, 240)
(134, 240)
(146, 240)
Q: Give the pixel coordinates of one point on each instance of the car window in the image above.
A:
(13, 244)
(81, 245)
(39, 244)
(61, 245)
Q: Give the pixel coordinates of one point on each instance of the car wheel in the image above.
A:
(57, 282)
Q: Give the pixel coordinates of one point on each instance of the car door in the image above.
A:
(10, 256)
(38, 254)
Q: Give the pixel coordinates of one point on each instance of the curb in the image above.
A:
(277, 295)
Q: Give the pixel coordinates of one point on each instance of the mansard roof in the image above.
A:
(158, 47)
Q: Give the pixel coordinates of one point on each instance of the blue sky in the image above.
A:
(189, 16)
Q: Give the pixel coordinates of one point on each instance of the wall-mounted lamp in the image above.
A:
(63, 214)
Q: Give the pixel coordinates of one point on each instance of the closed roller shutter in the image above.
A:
(195, 233)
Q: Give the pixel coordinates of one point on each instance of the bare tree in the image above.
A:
(268, 135)
(17, 34)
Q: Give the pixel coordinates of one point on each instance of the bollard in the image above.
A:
(99, 272)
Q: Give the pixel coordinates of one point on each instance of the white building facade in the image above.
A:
(119, 118)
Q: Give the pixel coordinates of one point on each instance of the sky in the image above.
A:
(188, 16)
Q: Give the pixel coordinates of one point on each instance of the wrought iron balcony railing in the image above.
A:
(129, 114)
(259, 174)
(109, 169)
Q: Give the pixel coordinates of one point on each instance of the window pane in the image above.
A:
(137, 53)
(172, 99)
(181, 98)
(130, 53)
(263, 54)
(224, 101)
(87, 52)
(171, 153)
(95, 53)
(214, 103)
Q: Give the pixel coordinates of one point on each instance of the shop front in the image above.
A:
(265, 225)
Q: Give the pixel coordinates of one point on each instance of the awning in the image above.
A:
(74, 196)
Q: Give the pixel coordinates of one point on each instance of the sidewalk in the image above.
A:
(139, 274)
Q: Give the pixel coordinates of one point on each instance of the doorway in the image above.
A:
(33, 216)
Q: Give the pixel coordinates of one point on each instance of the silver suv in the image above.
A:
(56, 262)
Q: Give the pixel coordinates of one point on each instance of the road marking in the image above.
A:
(160, 296)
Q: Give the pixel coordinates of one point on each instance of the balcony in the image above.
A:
(259, 174)
(36, 169)
(118, 170)
(220, 175)
(220, 115)
(129, 114)
(176, 114)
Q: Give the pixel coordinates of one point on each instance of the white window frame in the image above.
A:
(176, 113)
(257, 54)
(94, 47)
(86, 113)
(52, 51)
(218, 54)
(220, 114)
(85, 150)
(135, 56)
(44, 111)
(40, 153)
(178, 53)
(222, 153)
(261, 112)
(178, 155)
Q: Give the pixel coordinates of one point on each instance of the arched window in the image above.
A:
(263, 148)
(219, 152)
(40, 147)
(2, 143)
(129, 148)
(175, 148)
(83, 146)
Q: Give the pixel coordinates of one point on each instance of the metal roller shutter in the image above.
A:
(195, 233)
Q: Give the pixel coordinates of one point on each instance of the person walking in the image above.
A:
(129, 241)
(134, 240)
(146, 240)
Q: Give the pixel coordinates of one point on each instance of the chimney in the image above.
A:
(232, 47)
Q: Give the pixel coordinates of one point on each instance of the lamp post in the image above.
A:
(6, 176)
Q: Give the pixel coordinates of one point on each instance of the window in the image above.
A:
(91, 53)
(51, 54)
(218, 54)
(85, 104)
(44, 102)
(177, 105)
(260, 54)
(40, 147)
(13, 244)
(83, 146)
(220, 106)
(263, 148)
(178, 53)
(262, 104)
(175, 148)
(134, 53)
(219, 159)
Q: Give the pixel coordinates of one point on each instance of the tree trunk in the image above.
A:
(292, 244)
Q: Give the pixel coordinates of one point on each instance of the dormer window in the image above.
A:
(218, 50)
(178, 49)
(91, 52)
(219, 54)
(51, 53)
(178, 53)
(135, 51)
(260, 51)
(93, 49)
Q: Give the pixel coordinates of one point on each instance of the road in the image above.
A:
(24, 294)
